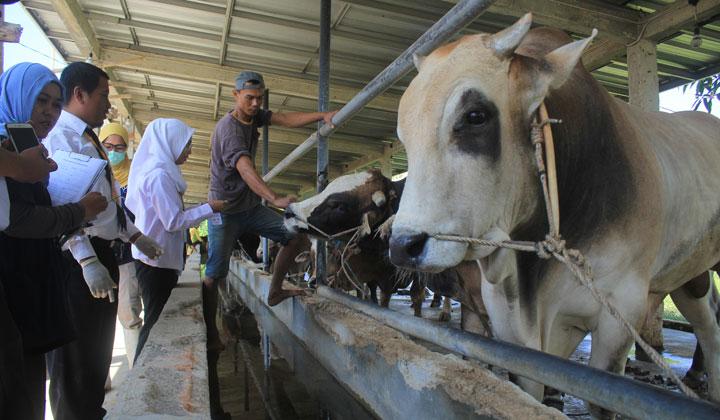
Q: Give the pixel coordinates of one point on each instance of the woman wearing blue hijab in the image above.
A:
(32, 274)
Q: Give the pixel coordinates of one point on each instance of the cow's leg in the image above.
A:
(373, 292)
(696, 308)
(473, 322)
(695, 376)
(385, 298)
(436, 300)
(611, 344)
(562, 342)
(651, 330)
(417, 294)
(446, 312)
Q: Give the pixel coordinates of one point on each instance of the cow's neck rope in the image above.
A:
(344, 267)
(554, 246)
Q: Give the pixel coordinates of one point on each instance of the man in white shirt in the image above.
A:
(78, 370)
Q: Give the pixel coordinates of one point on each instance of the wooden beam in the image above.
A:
(10, 32)
(246, 13)
(154, 26)
(571, 15)
(78, 26)
(226, 31)
(163, 89)
(218, 91)
(82, 34)
(167, 65)
(297, 50)
(657, 27)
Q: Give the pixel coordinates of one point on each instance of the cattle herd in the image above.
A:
(645, 219)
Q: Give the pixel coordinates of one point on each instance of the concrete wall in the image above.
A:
(170, 379)
(392, 375)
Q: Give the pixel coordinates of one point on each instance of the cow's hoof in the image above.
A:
(695, 380)
(444, 317)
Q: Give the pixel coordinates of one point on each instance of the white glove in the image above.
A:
(98, 279)
(149, 247)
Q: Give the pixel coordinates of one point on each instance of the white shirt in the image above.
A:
(163, 218)
(68, 135)
(4, 205)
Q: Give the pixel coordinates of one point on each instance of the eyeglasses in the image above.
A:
(117, 147)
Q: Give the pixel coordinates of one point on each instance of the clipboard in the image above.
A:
(75, 176)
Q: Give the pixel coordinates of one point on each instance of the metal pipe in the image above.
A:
(455, 19)
(323, 151)
(608, 390)
(265, 169)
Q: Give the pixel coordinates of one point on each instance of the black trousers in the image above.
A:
(78, 369)
(35, 377)
(156, 284)
(14, 392)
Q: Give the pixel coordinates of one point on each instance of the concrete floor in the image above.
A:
(119, 366)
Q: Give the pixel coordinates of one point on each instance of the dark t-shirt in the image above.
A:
(230, 141)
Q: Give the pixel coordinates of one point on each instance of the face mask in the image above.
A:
(116, 158)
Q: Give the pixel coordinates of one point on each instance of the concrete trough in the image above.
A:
(389, 373)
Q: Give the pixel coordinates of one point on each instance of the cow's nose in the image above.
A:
(404, 249)
(289, 213)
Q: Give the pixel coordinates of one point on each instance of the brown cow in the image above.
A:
(370, 198)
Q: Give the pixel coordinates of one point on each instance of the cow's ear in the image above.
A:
(506, 41)
(563, 60)
(553, 70)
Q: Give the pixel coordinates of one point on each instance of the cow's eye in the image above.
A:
(475, 117)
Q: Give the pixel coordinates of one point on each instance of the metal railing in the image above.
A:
(613, 392)
(455, 19)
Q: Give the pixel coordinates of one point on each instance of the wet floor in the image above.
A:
(294, 387)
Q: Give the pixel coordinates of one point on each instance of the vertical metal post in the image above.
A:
(266, 351)
(323, 151)
(2, 52)
(265, 169)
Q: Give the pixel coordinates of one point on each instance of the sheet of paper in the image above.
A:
(75, 176)
(216, 219)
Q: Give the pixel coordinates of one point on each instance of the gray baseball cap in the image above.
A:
(249, 80)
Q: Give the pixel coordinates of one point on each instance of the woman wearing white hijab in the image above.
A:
(154, 195)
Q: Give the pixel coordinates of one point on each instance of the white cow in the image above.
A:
(639, 193)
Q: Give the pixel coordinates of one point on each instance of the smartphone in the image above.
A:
(22, 136)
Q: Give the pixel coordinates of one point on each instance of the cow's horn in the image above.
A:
(506, 41)
(418, 60)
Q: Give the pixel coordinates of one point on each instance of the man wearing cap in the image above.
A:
(234, 179)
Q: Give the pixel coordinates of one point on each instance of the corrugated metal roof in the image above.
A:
(167, 58)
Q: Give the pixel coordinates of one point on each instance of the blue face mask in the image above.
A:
(116, 158)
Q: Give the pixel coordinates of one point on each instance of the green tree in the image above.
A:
(707, 90)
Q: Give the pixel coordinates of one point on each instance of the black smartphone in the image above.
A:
(22, 136)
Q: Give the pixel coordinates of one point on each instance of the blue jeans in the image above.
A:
(221, 237)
